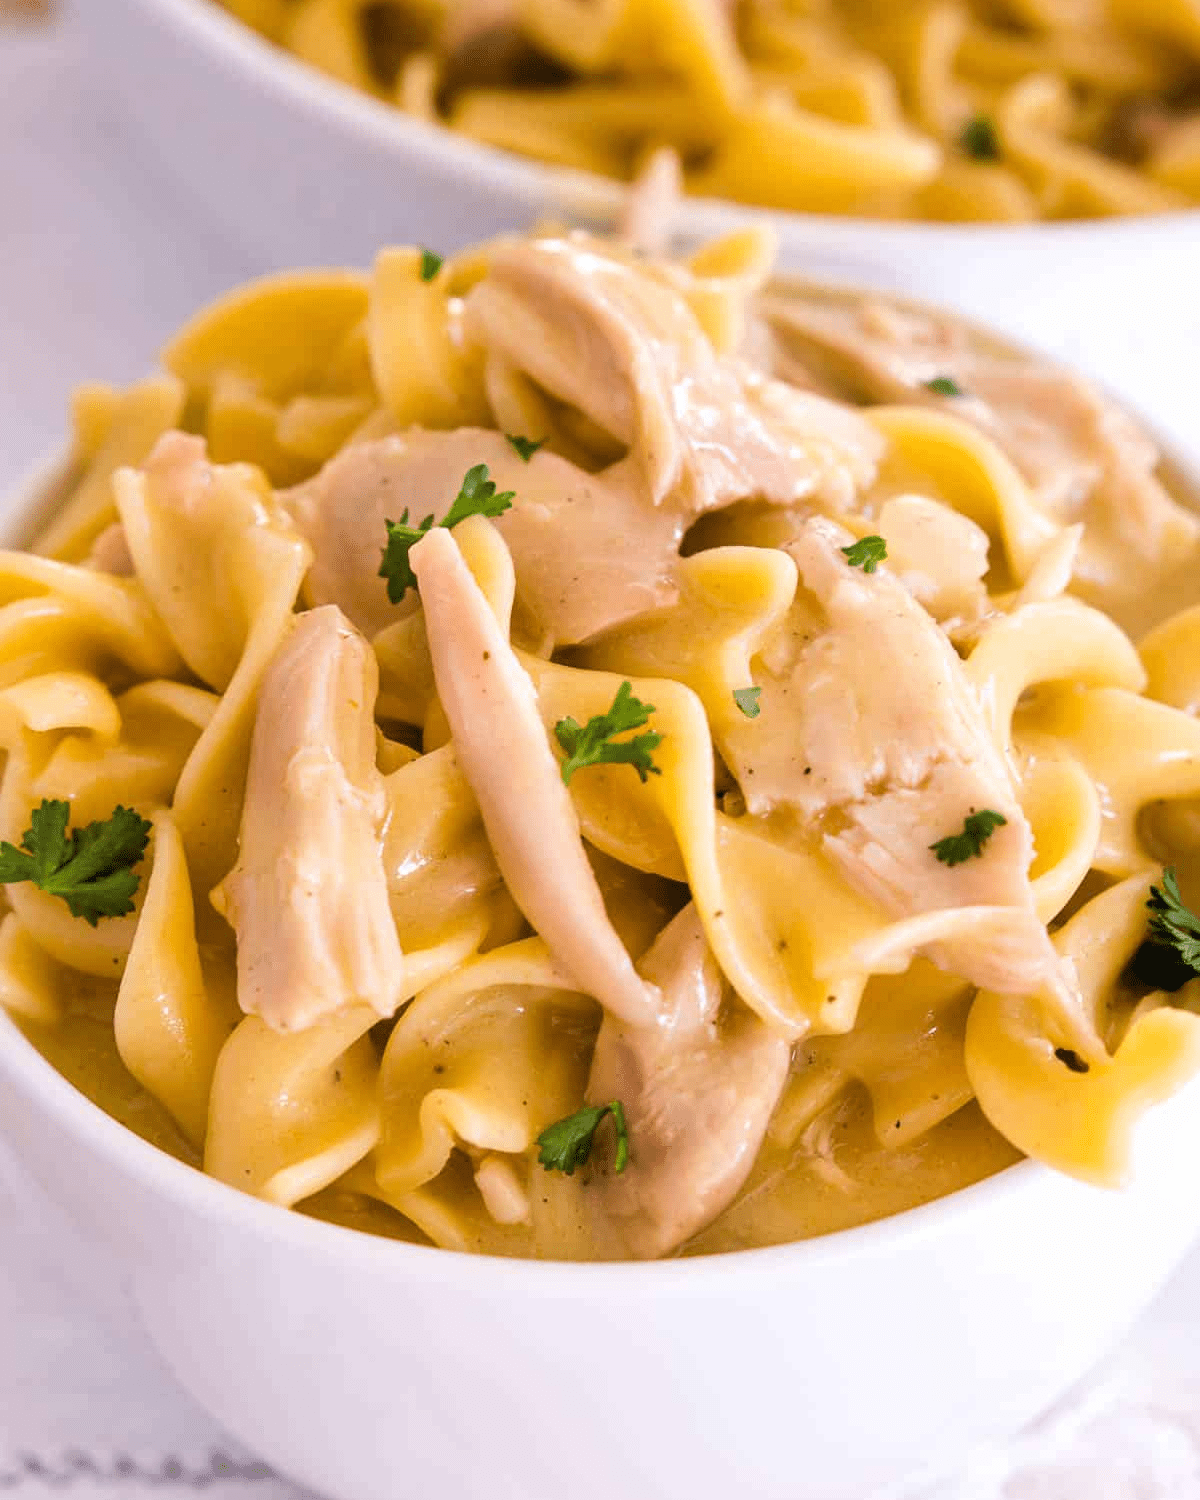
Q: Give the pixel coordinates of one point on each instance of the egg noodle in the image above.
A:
(748, 774)
(926, 109)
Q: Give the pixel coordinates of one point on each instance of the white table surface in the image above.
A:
(101, 254)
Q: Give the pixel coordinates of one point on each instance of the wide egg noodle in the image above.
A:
(480, 1063)
(173, 1013)
(227, 618)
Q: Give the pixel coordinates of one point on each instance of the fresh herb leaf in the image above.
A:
(867, 553)
(92, 870)
(431, 264)
(593, 743)
(747, 700)
(978, 827)
(1071, 1060)
(1156, 967)
(567, 1144)
(1174, 925)
(944, 385)
(979, 139)
(477, 497)
(526, 447)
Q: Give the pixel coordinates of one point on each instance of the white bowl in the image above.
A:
(302, 168)
(372, 1369)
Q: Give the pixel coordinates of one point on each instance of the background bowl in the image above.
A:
(306, 169)
(372, 1369)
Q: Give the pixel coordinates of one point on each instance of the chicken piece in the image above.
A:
(502, 748)
(110, 552)
(308, 897)
(870, 730)
(1083, 457)
(588, 552)
(698, 1088)
(483, 44)
(619, 343)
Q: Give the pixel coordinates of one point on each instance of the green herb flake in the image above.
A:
(747, 700)
(592, 744)
(944, 385)
(867, 553)
(91, 870)
(979, 139)
(526, 447)
(978, 827)
(1173, 924)
(431, 264)
(476, 497)
(567, 1144)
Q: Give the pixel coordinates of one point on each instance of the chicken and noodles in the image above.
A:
(559, 753)
(1006, 110)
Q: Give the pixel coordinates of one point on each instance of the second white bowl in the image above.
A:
(301, 168)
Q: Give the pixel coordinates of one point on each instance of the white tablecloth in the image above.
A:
(101, 255)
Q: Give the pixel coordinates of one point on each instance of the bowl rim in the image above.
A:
(533, 183)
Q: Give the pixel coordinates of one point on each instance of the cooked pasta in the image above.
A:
(560, 753)
(925, 109)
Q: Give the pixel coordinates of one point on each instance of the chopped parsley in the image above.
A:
(944, 385)
(978, 827)
(476, 497)
(526, 447)
(747, 700)
(567, 1144)
(431, 264)
(1172, 923)
(593, 743)
(867, 553)
(979, 139)
(92, 870)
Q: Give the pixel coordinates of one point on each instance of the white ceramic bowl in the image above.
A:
(371, 1369)
(302, 168)
(376, 1370)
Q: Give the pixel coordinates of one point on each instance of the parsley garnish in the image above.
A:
(747, 700)
(979, 139)
(593, 744)
(92, 870)
(867, 553)
(431, 264)
(944, 385)
(978, 827)
(567, 1144)
(477, 497)
(1173, 924)
(526, 447)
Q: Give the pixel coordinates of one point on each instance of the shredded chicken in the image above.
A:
(560, 516)
(619, 343)
(699, 1086)
(110, 552)
(881, 747)
(502, 747)
(1084, 458)
(308, 897)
